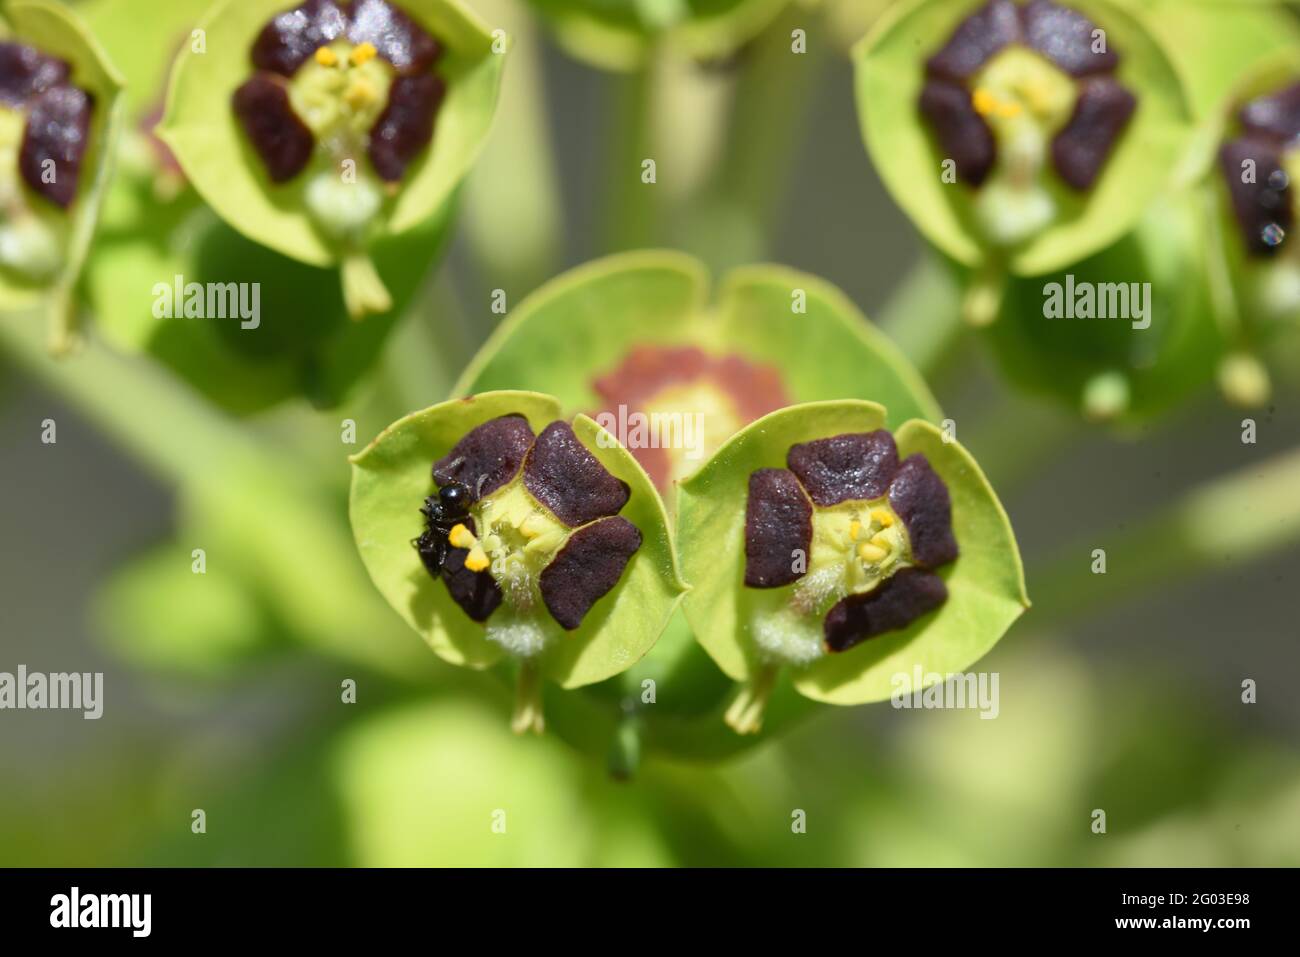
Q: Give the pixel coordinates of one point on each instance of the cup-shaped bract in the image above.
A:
(498, 529)
(620, 34)
(863, 560)
(60, 102)
(638, 341)
(1020, 137)
(160, 272)
(322, 128)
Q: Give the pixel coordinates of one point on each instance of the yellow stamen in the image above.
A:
(984, 101)
(362, 53)
(882, 517)
(477, 559)
(326, 57)
(531, 527)
(882, 539)
(871, 553)
(461, 537)
(855, 529)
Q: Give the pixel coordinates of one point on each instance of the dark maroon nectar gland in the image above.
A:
(44, 134)
(1019, 90)
(524, 531)
(1257, 165)
(853, 537)
(346, 94)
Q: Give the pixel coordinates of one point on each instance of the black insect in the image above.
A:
(442, 512)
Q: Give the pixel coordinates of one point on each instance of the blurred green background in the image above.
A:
(222, 692)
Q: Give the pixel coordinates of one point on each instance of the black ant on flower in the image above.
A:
(445, 515)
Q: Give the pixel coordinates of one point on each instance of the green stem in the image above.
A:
(1228, 521)
(63, 319)
(137, 403)
(630, 209)
(745, 715)
(732, 222)
(923, 315)
(512, 213)
(528, 700)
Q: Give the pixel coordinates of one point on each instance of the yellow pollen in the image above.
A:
(871, 553)
(461, 537)
(986, 103)
(326, 57)
(362, 53)
(883, 517)
(855, 529)
(477, 559)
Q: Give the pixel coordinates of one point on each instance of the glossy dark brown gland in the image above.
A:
(566, 478)
(963, 135)
(1101, 114)
(1276, 115)
(397, 38)
(586, 568)
(290, 38)
(894, 604)
(857, 465)
(920, 498)
(976, 40)
(1067, 38)
(405, 127)
(1257, 204)
(56, 138)
(26, 71)
(778, 525)
(488, 456)
(283, 141)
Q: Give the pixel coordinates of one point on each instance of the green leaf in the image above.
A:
(620, 34)
(390, 480)
(889, 68)
(55, 30)
(659, 298)
(985, 583)
(201, 129)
